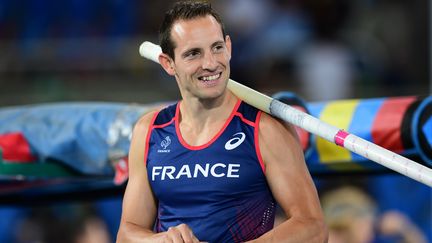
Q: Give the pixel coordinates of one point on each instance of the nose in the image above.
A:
(209, 61)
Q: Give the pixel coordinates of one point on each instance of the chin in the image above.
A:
(212, 95)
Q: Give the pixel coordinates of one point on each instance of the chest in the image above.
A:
(196, 137)
(226, 168)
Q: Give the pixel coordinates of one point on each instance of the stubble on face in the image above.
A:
(202, 58)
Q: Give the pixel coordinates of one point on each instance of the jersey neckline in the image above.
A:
(215, 137)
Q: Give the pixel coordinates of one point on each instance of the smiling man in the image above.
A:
(210, 167)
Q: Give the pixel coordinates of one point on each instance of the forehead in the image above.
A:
(196, 32)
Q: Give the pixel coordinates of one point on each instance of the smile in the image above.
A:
(210, 78)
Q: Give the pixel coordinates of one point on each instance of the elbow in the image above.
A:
(320, 231)
(129, 232)
(121, 235)
(124, 234)
(311, 230)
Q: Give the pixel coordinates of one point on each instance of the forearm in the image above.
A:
(296, 230)
(129, 232)
(135, 233)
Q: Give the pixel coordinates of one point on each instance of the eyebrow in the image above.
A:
(196, 49)
(217, 43)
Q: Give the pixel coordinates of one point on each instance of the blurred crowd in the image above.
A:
(321, 50)
(353, 216)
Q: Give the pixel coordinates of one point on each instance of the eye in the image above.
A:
(218, 48)
(191, 54)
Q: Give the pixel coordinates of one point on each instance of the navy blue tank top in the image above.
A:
(218, 189)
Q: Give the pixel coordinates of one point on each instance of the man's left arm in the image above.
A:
(291, 185)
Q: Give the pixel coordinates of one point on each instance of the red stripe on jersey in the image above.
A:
(148, 137)
(244, 119)
(256, 138)
(191, 147)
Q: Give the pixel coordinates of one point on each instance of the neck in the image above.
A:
(198, 112)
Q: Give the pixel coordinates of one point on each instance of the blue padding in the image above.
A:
(362, 121)
(84, 136)
(427, 131)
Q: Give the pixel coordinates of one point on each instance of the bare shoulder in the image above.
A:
(137, 145)
(271, 126)
(142, 126)
(144, 122)
(279, 143)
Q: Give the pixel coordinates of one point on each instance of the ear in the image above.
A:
(228, 45)
(167, 63)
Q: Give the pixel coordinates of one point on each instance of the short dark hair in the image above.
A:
(184, 10)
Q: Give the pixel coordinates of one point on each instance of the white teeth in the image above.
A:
(210, 78)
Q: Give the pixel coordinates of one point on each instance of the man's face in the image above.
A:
(202, 56)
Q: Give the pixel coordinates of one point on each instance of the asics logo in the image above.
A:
(235, 141)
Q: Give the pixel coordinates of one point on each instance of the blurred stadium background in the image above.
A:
(80, 50)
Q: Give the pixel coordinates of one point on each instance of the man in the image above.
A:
(210, 168)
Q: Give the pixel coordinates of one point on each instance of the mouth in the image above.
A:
(210, 79)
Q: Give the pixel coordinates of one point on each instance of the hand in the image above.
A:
(179, 234)
(393, 223)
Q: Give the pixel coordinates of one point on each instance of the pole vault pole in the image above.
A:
(315, 126)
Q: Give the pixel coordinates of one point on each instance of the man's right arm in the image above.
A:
(139, 204)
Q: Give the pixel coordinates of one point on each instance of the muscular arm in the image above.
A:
(139, 204)
(291, 185)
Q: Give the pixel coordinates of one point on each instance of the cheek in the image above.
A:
(228, 56)
(184, 73)
(224, 59)
(188, 69)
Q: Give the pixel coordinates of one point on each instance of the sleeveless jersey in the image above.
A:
(218, 189)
